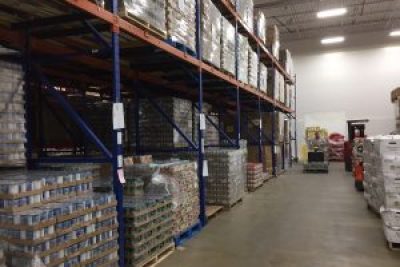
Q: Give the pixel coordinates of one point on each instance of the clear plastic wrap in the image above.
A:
(181, 22)
(263, 77)
(228, 46)
(261, 26)
(243, 63)
(245, 8)
(273, 40)
(12, 115)
(148, 12)
(211, 33)
(253, 68)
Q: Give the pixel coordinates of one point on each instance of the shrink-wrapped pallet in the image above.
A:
(286, 60)
(243, 64)
(273, 40)
(155, 132)
(263, 77)
(12, 115)
(211, 134)
(261, 26)
(211, 33)
(255, 176)
(253, 68)
(245, 8)
(149, 14)
(175, 178)
(181, 22)
(228, 46)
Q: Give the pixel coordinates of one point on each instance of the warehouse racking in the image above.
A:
(66, 43)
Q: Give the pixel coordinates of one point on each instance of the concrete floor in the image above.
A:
(299, 220)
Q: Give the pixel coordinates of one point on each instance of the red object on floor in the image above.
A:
(358, 172)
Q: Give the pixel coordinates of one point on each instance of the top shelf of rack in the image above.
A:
(229, 11)
(144, 56)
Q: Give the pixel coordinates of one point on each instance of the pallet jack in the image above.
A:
(317, 154)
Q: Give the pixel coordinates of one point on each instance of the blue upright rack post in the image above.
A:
(260, 140)
(200, 144)
(117, 136)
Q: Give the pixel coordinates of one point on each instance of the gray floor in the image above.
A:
(299, 220)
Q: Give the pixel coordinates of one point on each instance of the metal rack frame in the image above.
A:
(210, 82)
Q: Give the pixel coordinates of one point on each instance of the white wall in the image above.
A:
(354, 78)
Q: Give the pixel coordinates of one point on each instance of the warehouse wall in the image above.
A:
(354, 78)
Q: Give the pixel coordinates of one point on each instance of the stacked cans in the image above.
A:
(12, 115)
(181, 22)
(226, 181)
(255, 176)
(60, 223)
(211, 33)
(382, 182)
(253, 68)
(211, 133)
(228, 46)
(243, 64)
(156, 132)
(148, 227)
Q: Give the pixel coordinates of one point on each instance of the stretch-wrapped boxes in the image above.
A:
(12, 115)
(228, 46)
(253, 68)
(211, 33)
(181, 22)
(243, 64)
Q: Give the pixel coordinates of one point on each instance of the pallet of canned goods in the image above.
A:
(12, 115)
(148, 224)
(78, 229)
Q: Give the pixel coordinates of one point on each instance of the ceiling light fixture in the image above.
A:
(331, 13)
(332, 40)
(395, 33)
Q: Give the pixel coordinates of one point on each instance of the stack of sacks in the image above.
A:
(228, 45)
(263, 77)
(261, 27)
(382, 181)
(245, 8)
(253, 68)
(255, 176)
(181, 22)
(151, 12)
(273, 43)
(243, 64)
(12, 115)
(211, 33)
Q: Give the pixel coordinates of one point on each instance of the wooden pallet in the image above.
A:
(142, 24)
(253, 189)
(394, 246)
(212, 211)
(158, 258)
(230, 206)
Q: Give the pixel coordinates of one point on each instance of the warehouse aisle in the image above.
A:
(297, 220)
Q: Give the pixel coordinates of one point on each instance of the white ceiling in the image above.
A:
(297, 18)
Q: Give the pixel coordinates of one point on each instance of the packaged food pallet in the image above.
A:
(211, 33)
(228, 47)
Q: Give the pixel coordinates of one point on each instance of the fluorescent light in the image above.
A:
(332, 40)
(395, 33)
(331, 13)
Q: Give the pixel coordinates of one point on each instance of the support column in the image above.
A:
(117, 154)
(29, 115)
(200, 144)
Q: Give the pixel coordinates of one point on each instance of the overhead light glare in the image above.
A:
(395, 33)
(332, 13)
(332, 40)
